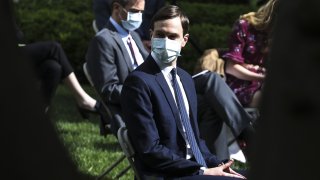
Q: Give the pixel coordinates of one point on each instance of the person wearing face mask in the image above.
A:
(102, 11)
(115, 51)
(159, 105)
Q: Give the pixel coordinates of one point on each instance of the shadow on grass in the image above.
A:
(87, 176)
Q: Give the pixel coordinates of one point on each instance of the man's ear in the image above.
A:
(116, 6)
(185, 40)
(151, 32)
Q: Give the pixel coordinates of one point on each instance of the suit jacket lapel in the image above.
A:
(166, 90)
(121, 45)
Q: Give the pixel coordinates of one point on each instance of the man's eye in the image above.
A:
(134, 11)
(160, 35)
(172, 37)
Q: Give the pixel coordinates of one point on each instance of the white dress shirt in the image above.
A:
(124, 34)
(165, 70)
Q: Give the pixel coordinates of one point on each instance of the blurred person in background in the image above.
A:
(52, 66)
(115, 51)
(246, 58)
(102, 11)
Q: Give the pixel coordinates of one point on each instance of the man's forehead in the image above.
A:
(169, 22)
(135, 4)
(174, 23)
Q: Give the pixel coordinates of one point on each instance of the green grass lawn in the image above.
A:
(91, 152)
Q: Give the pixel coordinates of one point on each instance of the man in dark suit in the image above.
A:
(159, 105)
(115, 51)
(102, 10)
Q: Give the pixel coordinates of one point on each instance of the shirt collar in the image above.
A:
(122, 32)
(165, 69)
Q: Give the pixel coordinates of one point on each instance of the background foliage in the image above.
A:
(67, 21)
(70, 23)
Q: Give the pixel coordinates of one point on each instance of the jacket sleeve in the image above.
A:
(103, 69)
(137, 106)
(237, 42)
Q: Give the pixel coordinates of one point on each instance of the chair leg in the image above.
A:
(109, 169)
(123, 172)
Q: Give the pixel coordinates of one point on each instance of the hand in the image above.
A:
(254, 68)
(223, 170)
(263, 70)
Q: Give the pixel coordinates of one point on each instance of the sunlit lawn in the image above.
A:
(91, 152)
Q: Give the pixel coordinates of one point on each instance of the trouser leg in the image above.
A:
(50, 76)
(39, 52)
(223, 101)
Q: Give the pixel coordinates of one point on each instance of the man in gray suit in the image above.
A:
(116, 51)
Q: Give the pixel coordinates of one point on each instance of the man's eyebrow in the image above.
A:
(173, 34)
(160, 31)
(135, 10)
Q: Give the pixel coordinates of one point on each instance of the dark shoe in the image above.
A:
(85, 112)
(247, 135)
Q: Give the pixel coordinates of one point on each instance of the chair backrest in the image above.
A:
(86, 73)
(127, 148)
(107, 115)
(122, 133)
(94, 26)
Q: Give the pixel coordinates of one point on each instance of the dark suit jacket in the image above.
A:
(218, 104)
(151, 116)
(109, 63)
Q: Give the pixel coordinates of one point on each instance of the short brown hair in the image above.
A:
(122, 2)
(170, 12)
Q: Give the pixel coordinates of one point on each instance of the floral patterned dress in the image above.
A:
(246, 45)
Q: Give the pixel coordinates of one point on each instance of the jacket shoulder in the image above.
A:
(103, 33)
(184, 73)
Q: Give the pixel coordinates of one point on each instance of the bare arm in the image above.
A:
(242, 71)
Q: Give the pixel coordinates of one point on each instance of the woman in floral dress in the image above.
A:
(248, 49)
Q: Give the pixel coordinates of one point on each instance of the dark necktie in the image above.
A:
(132, 51)
(186, 121)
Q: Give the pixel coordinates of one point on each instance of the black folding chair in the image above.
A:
(109, 115)
(127, 148)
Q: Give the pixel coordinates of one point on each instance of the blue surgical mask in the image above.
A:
(166, 50)
(133, 21)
